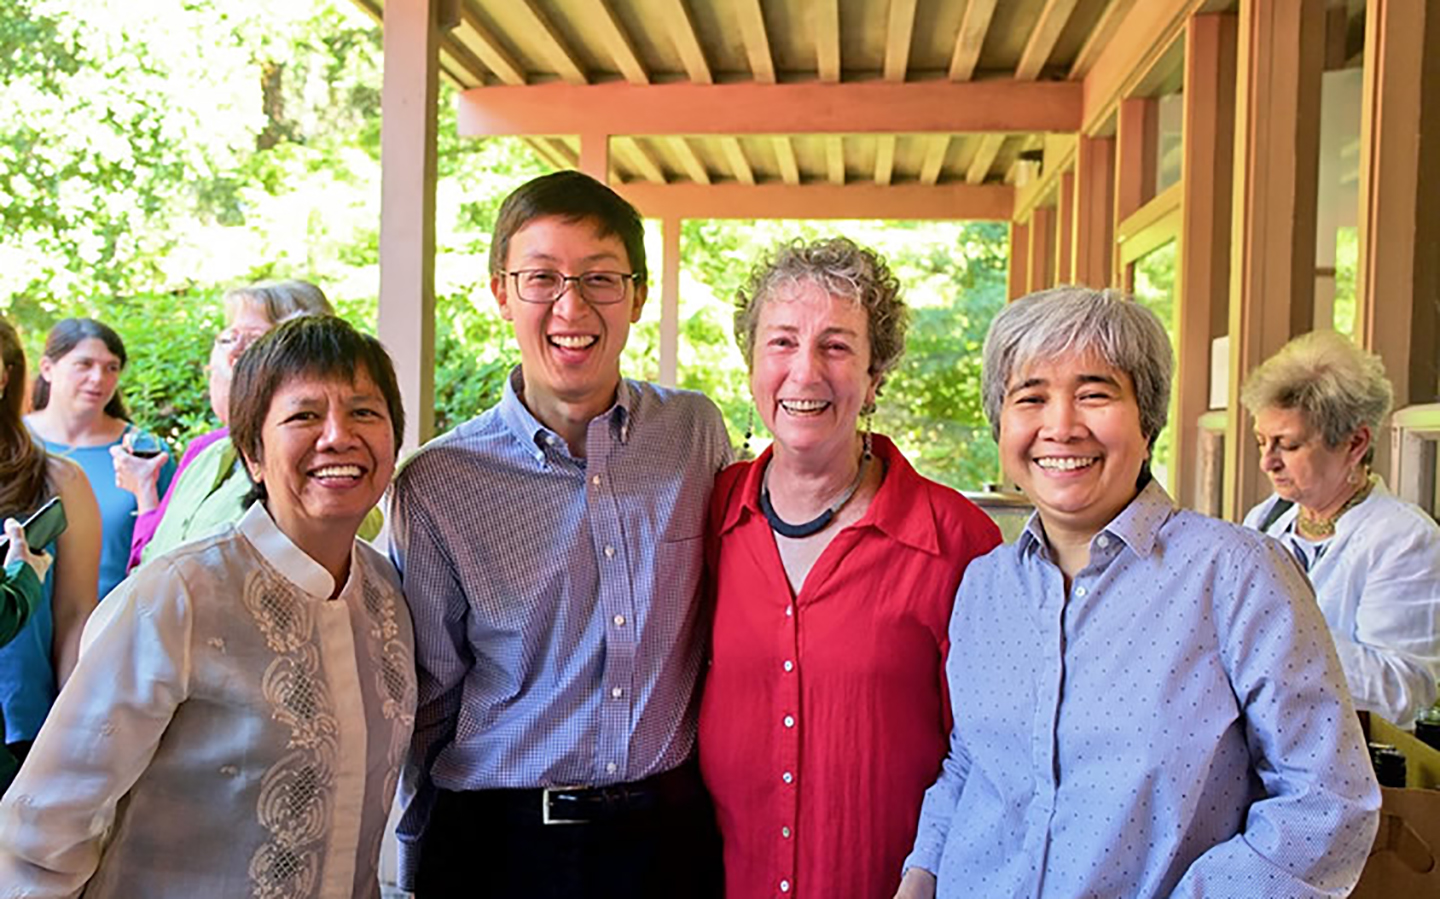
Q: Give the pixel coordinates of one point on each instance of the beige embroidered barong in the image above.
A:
(229, 731)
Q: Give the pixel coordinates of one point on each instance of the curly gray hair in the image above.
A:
(842, 268)
(1066, 320)
(1334, 384)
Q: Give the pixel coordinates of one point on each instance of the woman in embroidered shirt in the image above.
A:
(1374, 559)
(237, 721)
(80, 414)
(834, 567)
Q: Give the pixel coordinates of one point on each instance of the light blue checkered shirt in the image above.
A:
(558, 632)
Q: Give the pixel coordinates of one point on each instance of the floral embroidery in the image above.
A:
(297, 793)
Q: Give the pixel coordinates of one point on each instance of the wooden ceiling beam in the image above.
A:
(785, 155)
(757, 40)
(1038, 48)
(600, 18)
(984, 158)
(936, 146)
(689, 161)
(687, 43)
(541, 145)
(971, 38)
(827, 40)
(640, 158)
(835, 159)
(1099, 38)
(903, 202)
(885, 159)
(870, 107)
(735, 155)
(478, 40)
(551, 46)
(898, 33)
(1149, 30)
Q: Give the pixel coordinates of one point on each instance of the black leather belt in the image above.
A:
(586, 805)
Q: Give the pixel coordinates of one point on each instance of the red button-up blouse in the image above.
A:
(825, 715)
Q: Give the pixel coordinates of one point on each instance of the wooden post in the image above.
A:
(1281, 54)
(1017, 285)
(1094, 210)
(1203, 278)
(1135, 161)
(595, 156)
(1065, 230)
(670, 303)
(407, 206)
(1042, 250)
(1399, 217)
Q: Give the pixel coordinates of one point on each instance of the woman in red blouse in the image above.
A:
(834, 567)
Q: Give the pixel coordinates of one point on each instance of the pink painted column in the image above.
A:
(595, 156)
(407, 207)
(670, 303)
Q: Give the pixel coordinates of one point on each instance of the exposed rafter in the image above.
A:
(827, 40)
(757, 40)
(984, 158)
(478, 40)
(898, 32)
(735, 155)
(639, 157)
(971, 38)
(455, 59)
(557, 158)
(1100, 37)
(989, 202)
(936, 145)
(551, 46)
(601, 18)
(1048, 26)
(689, 161)
(869, 107)
(682, 31)
(835, 159)
(885, 159)
(785, 156)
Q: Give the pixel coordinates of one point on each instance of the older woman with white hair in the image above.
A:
(1374, 559)
(1146, 700)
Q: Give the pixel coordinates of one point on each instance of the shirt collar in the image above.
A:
(287, 558)
(534, 436)
(901, 508)
(1137, 526)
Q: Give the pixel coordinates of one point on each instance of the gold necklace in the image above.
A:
(1322, 528)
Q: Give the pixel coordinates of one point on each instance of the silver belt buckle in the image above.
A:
(545, 816)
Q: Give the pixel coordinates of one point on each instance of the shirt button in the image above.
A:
(789, 721)
(785, 832)
(788, 777)
(595, 479)
(616, 692)
(784, 886)
(611, 768)
(789, 610)
(609, 552)
(1080, 591)
(789, 665)
(1102, 541)
(619, 620)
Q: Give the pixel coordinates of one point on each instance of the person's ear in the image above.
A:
(1359, 444)
(498, 284)
(642, 291)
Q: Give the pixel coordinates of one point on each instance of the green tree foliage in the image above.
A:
(158, 152)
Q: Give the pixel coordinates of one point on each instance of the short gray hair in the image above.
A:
(1064, 320)
(841, 268)
(279, 300)
(1334, 384)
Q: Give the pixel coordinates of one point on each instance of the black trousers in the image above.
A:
(492, 845)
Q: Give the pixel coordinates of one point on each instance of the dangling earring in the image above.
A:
(745, 453)
(869, 426)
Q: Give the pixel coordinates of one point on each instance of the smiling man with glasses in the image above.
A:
(551, 552)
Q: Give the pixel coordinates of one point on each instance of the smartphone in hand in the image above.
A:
(41, 528)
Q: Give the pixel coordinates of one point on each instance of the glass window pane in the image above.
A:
(1155, 289)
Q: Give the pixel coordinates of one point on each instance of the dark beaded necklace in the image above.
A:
(819, 522)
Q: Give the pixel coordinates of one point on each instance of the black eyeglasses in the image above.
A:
(543, 285)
